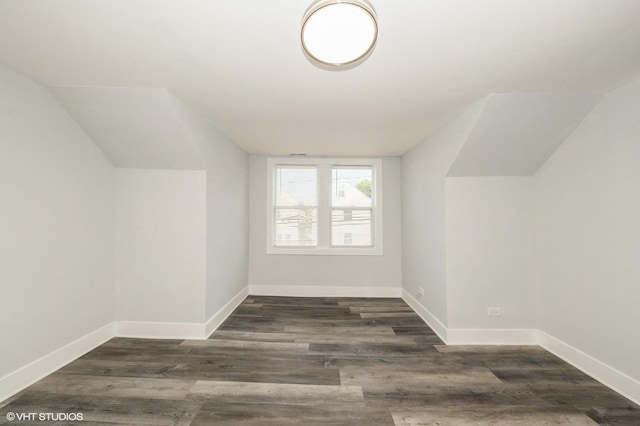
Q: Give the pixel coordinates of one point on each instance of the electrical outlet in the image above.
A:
(494, 312)
(420, 291)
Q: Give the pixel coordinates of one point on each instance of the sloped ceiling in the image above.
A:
(517, 133)
(135, 128)
(239, 62)
(146, 128)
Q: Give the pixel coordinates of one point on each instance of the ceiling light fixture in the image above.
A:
(339, 34)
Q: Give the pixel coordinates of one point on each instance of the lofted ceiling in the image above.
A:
(239, 62)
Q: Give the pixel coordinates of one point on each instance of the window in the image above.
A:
(324, 206)
(296, 206)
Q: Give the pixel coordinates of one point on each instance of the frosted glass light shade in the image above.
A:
(338, 33)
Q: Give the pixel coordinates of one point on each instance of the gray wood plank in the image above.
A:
(248, 345)
(368, 315)
(390, 308)
(483, 416)
(276, 393)
(379, 379)
(342, 330)
(214, 413)
(256, 336)
(123, 387)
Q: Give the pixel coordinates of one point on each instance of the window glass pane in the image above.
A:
(351, 227)
(296, 227)
(296, 186)
(351, 186)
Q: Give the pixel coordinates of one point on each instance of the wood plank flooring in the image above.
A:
(322, 361)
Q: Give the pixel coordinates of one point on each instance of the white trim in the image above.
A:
(159, 330)
(461, 336)
(431, 320)
(334, 251)
(218, 318)
(324, 207)
(25, 376)
(323, 291)
(607, 375)
(179, 330)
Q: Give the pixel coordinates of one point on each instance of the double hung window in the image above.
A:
(324, 206)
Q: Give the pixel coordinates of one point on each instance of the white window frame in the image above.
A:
(324, 246)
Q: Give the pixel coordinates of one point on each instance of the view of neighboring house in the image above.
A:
(351, 217)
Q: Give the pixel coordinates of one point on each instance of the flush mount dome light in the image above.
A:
(339, 34)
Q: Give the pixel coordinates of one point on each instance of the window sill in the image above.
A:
(314, 251)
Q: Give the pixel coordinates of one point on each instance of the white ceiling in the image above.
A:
(516, 133)
(239, 62)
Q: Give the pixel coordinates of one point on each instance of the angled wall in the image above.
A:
(588, 242)
(149, 129)
(550, 239)
(468, 209)
(57, 228)
(154, 248)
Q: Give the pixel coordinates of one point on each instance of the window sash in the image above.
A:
(275, 190)
(372, 227)
(305, 205)
(289, 242)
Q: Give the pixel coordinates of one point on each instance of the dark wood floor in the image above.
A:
(323, 361)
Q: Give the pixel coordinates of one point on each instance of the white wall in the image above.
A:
(326, 270)
(490, 242)
(227, 168)
(56, 226)
(424, 170)
(588, 235)
(160, 245)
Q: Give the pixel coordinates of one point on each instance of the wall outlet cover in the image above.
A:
(494, 312)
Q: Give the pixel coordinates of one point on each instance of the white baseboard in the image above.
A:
(218, 318)
(25, 376)
(457, 336)
(159, 330)
(323, 291)
(179, 330)
(460, 336)
(607, 375)
(431, 320)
